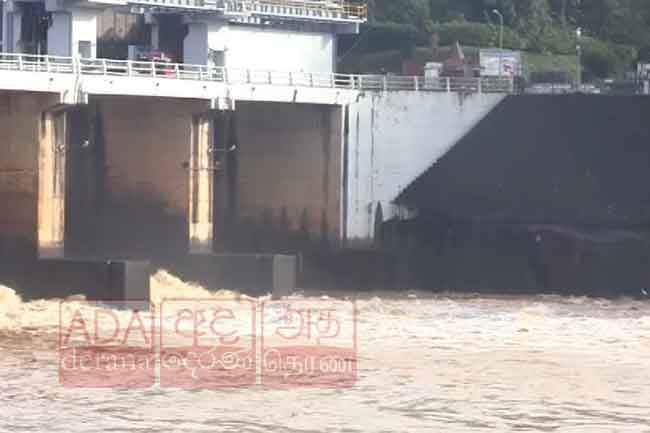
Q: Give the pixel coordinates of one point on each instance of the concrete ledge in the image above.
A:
(99, 280)
(70, 89)
(251, 274)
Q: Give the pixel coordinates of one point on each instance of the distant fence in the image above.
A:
(232, 76)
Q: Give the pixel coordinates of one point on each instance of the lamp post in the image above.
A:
(579, 57)
(500, 15)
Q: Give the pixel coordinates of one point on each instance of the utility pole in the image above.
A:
(579, 57)
(500, 15)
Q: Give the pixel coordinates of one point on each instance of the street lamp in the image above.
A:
(579, 57)
(500, 15)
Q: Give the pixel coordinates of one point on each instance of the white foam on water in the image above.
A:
(164, 285)
(15, 314)
(10, 304)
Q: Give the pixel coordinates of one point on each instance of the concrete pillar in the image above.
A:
(9, 10)
(211, 178)
(20, 120)
(154, 25)
(195, 44)
(201, 184)
(225, 182)
(59, 34)
(51, 184)
(73, 32)
(155, 36)
(61, 175)
(12, 27)
(3, 27)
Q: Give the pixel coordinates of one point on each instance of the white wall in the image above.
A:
(269, 49)
(84, 28)
(250, 47)
(68, 28)
(393, 138)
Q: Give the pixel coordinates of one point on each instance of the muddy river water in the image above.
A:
(443, 362)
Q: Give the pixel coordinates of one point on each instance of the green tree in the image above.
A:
(410, 12)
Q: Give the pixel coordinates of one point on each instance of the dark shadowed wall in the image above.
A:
(545, 193)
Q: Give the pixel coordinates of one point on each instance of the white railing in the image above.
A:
(331, 9)
(181, 71)
(318, 9)
(183, 4)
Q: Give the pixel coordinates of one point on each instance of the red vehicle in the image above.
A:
(161, 59)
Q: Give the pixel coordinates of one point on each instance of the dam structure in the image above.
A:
(242, 139)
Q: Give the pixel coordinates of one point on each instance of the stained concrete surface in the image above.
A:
(20, 122)
(288, 175)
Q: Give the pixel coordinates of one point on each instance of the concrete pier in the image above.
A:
(24, 125)
(213, 141)
(51, 184)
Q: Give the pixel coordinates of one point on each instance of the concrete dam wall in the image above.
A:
(118, 172)
(284, 172)
(157, 178)
(544, 194)
(392, 138)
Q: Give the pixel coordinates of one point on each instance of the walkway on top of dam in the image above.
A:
(75, 78)
(251, 11)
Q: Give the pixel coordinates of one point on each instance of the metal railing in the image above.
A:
(182, 4)
(233, 76)
(355, 10)
(343, 9)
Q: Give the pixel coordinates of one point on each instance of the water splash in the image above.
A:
(10, 304)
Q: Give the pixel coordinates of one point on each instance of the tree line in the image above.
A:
(615, 31)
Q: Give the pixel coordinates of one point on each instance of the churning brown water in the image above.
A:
(426, 363)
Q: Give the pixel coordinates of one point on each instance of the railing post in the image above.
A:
(416, 85)
(129, 68)
(225, 75)
(270, 77)
(479, 87)
(47, 63)
(290, 78)
(104, 68)
(248, 76)
(448, 79)
(311, 79)
(385, 83)
(20, 62)
(153, 69)
(177, 71)
(360, 82)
